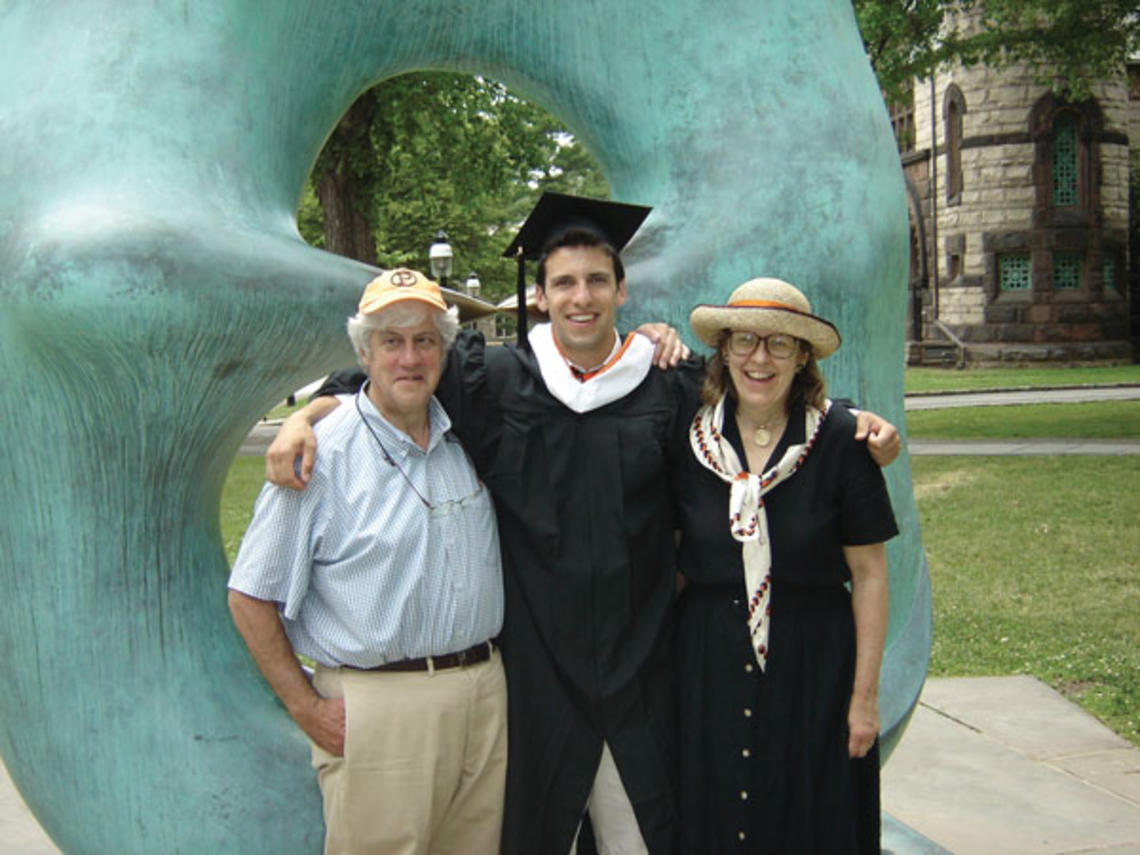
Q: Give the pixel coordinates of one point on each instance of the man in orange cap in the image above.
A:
(386, 573)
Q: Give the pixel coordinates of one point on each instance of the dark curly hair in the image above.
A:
(808, 385)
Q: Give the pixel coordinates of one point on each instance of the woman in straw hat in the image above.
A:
(784, 516)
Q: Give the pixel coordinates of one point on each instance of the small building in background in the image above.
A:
(1020, 222)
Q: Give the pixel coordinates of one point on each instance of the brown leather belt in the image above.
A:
(471, 656)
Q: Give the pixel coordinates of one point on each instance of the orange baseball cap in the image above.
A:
(394, 286)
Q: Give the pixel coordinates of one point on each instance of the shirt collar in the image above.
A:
(439, 423)
(579, 370)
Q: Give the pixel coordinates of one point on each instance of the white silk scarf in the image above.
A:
(747, 519)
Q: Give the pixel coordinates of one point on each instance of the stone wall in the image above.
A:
(1004, 204)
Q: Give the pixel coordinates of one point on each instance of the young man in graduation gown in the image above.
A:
(575, 434)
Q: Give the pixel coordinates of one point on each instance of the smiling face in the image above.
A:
(404, 365)
(582, 294)
(761, 381)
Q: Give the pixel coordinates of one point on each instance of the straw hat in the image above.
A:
(766, 304)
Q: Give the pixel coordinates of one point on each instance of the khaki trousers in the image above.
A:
(424, 764)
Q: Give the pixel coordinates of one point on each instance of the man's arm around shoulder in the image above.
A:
(295, 438)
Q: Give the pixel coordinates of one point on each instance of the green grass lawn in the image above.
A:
(1093, 420)
(242, 485)
(950, 379)
(1035, 568)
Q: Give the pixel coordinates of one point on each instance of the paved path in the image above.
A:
(1023, 447)
(1007, 766)
(1006, 397)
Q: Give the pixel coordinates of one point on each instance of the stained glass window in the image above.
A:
(1014, 273)
(1067, 268)
(1065, 160)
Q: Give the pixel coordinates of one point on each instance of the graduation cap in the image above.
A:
(554, 216)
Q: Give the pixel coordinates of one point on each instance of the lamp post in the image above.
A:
(472, 285)
(440, 258)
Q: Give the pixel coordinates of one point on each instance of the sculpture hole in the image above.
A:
(438, 151)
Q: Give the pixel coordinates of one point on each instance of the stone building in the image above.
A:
(1020, 231)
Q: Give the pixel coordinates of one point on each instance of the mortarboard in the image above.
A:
(557, 213)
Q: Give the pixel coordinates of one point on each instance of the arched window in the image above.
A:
(1065, 161)
(953, 107)
(1065, 136)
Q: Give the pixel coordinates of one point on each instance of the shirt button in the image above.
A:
(747, 712)
(745, 753)
(744, 795)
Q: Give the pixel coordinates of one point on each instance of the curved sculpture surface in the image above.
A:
(157, 299)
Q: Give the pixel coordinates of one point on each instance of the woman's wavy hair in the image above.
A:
(808, 385)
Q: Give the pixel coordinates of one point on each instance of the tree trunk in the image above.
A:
(345, 198)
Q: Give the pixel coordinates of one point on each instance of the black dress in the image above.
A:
(589, 569)
(764, 764)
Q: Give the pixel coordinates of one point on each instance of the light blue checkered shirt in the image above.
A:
(364, 573)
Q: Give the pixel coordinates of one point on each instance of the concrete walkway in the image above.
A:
(1006, 397)
(1007, 766)
(1023, 447)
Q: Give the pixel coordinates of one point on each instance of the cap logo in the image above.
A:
(404, 278)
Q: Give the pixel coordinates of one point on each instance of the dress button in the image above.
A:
(747, 712)
(748, 668)
(740, 835)
(744, 795)
(745, 753)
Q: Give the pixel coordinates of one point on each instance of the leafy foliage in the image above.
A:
(1070, 43)
(424, 152)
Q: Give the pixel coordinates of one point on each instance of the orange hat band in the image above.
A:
(765, 304)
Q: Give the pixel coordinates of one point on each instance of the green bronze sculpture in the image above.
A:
(157, 299)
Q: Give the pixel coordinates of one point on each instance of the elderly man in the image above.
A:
(386, 573)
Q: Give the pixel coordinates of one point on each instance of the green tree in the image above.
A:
(1070, 42)
(431, 151)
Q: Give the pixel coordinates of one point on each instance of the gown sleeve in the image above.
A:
(344, 382)
(463, 387)
(687, 379)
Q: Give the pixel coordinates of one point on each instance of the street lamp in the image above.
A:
(440, 257)
(472, 285)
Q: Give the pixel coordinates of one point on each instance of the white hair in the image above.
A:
(406, 313)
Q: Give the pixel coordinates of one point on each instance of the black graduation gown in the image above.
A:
(585, 523)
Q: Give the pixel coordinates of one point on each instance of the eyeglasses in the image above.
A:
(447, 505)
(742, 343)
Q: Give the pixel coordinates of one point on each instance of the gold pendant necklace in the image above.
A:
(761, 436)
